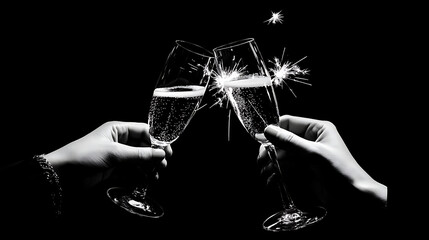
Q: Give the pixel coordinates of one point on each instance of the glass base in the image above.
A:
(293, 219)
(142, 207)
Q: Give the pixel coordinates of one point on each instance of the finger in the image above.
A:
(168, 151)
(270, 179)
(163, 163)
(267, 170)
(265, 164)
(127, 131)
(130, 153)
(283, 138)
(262, 158)
(301, 126)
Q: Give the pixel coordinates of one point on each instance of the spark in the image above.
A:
(229, 126)
(218, 88)
(207, 72)
(220, 78)
(276, 17)
(288, 71)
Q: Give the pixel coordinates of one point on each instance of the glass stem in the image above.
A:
(141, 190)
(285, 197)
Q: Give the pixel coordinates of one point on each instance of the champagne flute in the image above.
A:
(176, 98)
(242, 73)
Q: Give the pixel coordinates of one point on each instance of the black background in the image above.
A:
(74, 66)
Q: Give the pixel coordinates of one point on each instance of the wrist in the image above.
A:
(371, 187)
(57, 161)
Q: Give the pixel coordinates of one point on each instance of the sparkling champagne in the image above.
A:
(170, 111)
(254, 102)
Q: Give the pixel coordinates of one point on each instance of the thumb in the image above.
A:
(283, 138)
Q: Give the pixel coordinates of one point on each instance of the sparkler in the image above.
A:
(220, 78)
(287, 71)
(281, 73)
(276, 17)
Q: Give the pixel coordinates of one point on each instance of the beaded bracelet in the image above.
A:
(52, 181)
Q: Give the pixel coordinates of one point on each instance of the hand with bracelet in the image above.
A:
(35, 187)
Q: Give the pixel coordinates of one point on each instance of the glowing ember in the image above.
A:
(276, 17)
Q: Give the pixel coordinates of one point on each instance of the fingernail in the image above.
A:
(158, 153)
(271, 130)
